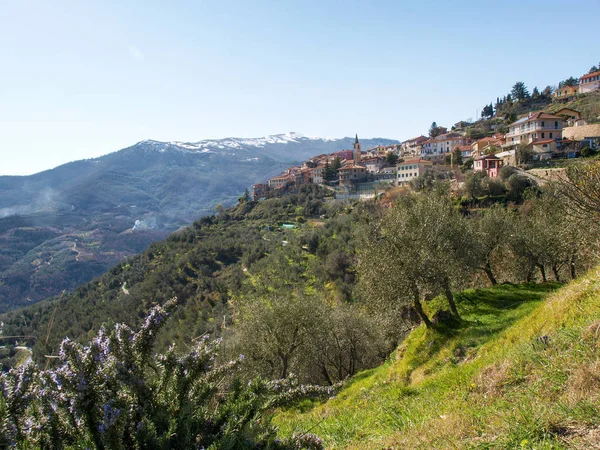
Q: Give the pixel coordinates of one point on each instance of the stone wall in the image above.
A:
(583, 131)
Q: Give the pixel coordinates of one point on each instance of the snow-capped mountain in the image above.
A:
(287, 147)
(212, 145)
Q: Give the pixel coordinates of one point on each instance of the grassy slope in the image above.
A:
(493, 383)
(588, 105)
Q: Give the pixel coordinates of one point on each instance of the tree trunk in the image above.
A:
(555, 271)
(284, 366)
(326, 374)
(572, 267)
(543, 272)
(488, 271)
(450, 298)
(419, 308)
(529, 275)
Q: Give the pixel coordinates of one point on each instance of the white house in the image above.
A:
(589, 82)
(411, 169)
(436, 149)
(538, 126)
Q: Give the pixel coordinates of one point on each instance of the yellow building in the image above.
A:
(565, 94)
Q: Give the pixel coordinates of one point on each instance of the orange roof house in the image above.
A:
(589, 82)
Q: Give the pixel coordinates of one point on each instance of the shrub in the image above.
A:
(517, 185)
(115, 393)
(586, 151)
(506, 172)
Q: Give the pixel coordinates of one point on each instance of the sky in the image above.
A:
(82, 79)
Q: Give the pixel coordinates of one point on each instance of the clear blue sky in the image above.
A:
(79, 80)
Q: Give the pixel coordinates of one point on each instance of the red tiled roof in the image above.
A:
(415, 139)
(590, 75)
(543, 141)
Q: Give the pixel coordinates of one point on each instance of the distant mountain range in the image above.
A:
(62, 227)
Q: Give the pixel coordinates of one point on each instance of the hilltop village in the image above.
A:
(551, 130)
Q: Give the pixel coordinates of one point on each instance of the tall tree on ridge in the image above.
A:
(519, 91)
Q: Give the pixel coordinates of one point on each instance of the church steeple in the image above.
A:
(356, 151)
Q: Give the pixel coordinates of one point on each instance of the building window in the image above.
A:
(543, 135)
(550, 135)
(556, 125)
(542, 123)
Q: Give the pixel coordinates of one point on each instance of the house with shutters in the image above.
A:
(589, 82)
(411, 169)
(537, 126)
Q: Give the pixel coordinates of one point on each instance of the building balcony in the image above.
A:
(531, 129)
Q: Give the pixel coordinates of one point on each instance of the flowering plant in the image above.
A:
(115, 393)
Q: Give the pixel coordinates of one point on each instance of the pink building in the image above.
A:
(490, 164)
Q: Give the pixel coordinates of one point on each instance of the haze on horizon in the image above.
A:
(81, 80)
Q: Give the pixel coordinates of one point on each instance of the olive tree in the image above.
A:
(546, 237)
(580, 188)
(413, 253)
(275, 332)
(488, 233)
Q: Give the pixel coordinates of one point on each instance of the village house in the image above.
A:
(412, 147)
(385, 174)
(318, 174)
(565, 94)
(374, 164)
(486, 145)
(281, 181)
(589, 82)
(489, 163)
(465, 151)
(304, 176)
(460, 125)
(543, 149)
(344, 155)
(411, 169)
(572, 117)
(383, 150)
(259, 191)
(352, 173)
(437, 148)
(537, 126)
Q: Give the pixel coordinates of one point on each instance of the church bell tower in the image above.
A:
(356, 151)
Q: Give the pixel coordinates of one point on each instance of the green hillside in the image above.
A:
(521, 372)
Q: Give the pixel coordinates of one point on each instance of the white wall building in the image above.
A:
(534, 127)
(589, 82)
(411, 169)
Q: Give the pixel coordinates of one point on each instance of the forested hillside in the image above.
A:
(206, 266)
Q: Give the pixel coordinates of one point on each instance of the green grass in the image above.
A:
(491, 383)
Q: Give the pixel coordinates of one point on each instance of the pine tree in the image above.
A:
(434, 130)
(519, 91)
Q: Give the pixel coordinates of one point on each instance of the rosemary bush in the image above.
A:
(115, 393)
